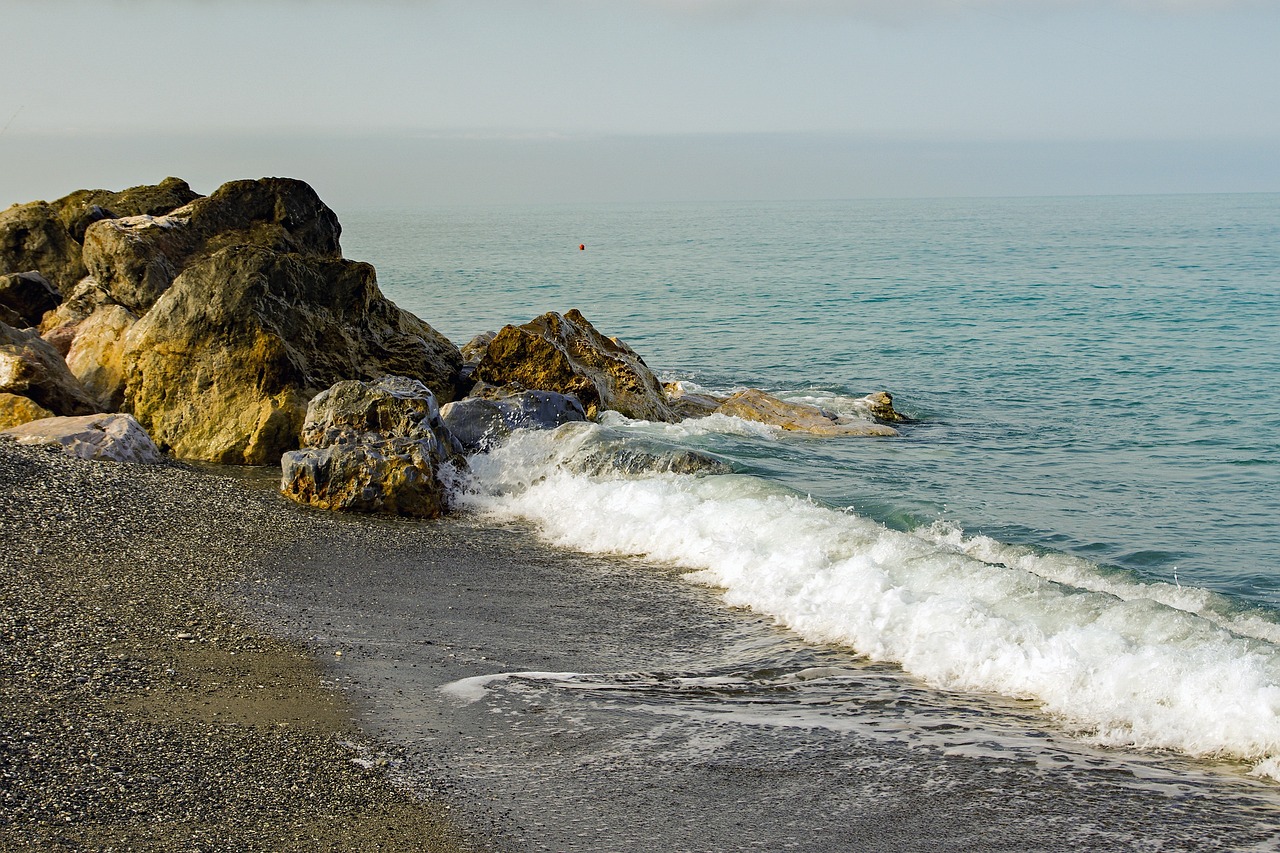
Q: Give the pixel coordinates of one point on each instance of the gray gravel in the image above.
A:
(140, 709)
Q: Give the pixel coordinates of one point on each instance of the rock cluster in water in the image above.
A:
(228, 328)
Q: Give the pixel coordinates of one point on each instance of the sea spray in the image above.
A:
(1123, 663)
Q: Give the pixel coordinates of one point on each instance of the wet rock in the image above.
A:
(26, 296)
(691, 404)
(16, 410)
(600, 451)
(102, 438)
(880, 403)
(566, 354)
(223, 366)
(372, 447)
(755, 405)
(479, 422)
(30, 367)
(136, 258)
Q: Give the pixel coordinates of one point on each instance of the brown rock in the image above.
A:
(223, 366)
(372, 447)
(136, 258)
(30, 367)
(27, 296)
(96, 355)
(47, 236)
(16, 410)
(755, 405)
(567, 355)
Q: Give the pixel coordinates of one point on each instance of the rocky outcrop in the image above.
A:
(25, 297)
(30, 367)
(136, 258)
(103, 438)
(372, 447)
(224, 364)
(481, 421)
(16, 410)
(755, 405)
(48, 236)
(567, 355)
(59, 326)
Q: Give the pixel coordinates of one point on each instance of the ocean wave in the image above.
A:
(1116, 660)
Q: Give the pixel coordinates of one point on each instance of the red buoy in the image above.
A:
(581, 246)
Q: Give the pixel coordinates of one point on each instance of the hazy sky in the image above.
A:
(572, 100)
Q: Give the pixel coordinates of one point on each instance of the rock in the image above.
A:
(16, 410)
(599, 450)
(33, 238)
(372, 447)
(59, 326)
(96, 355)
(222, 367)
(27, 295)
(691, 404)
(567, 355)
(479, 422)
(47, 236)
(755, 405)
(108, 438)
(880, 403)
(136, 258)
(30, 367)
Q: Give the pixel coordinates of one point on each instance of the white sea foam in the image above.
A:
(1126, 663)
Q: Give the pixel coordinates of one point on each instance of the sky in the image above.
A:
(425, 102)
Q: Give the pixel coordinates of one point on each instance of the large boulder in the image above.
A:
(47, 236)
(30, 367)
(755, 405)
(567, 355)
(373, 447)
(103, 438)
(479, 422)
(136, 258)
(224, 364)
(16, 410)
(26, 297)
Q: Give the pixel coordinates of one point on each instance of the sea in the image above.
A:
(1046, 615)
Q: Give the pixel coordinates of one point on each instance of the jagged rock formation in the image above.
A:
(372, 447)
(567, 355)
(101, 438)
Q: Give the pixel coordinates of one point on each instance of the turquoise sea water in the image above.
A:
(1097, 377)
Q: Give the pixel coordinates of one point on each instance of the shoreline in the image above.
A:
(144, 709)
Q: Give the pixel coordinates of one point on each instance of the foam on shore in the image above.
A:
(1125, 663)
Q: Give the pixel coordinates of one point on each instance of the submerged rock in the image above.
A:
(566, 354)
(372, 447)
(30, 367)
(223, 366)
(102, 438)
(479, 422)
(755, 405)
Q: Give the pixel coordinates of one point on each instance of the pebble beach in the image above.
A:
(142, 709)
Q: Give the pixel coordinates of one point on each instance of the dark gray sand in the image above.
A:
(139, 710)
